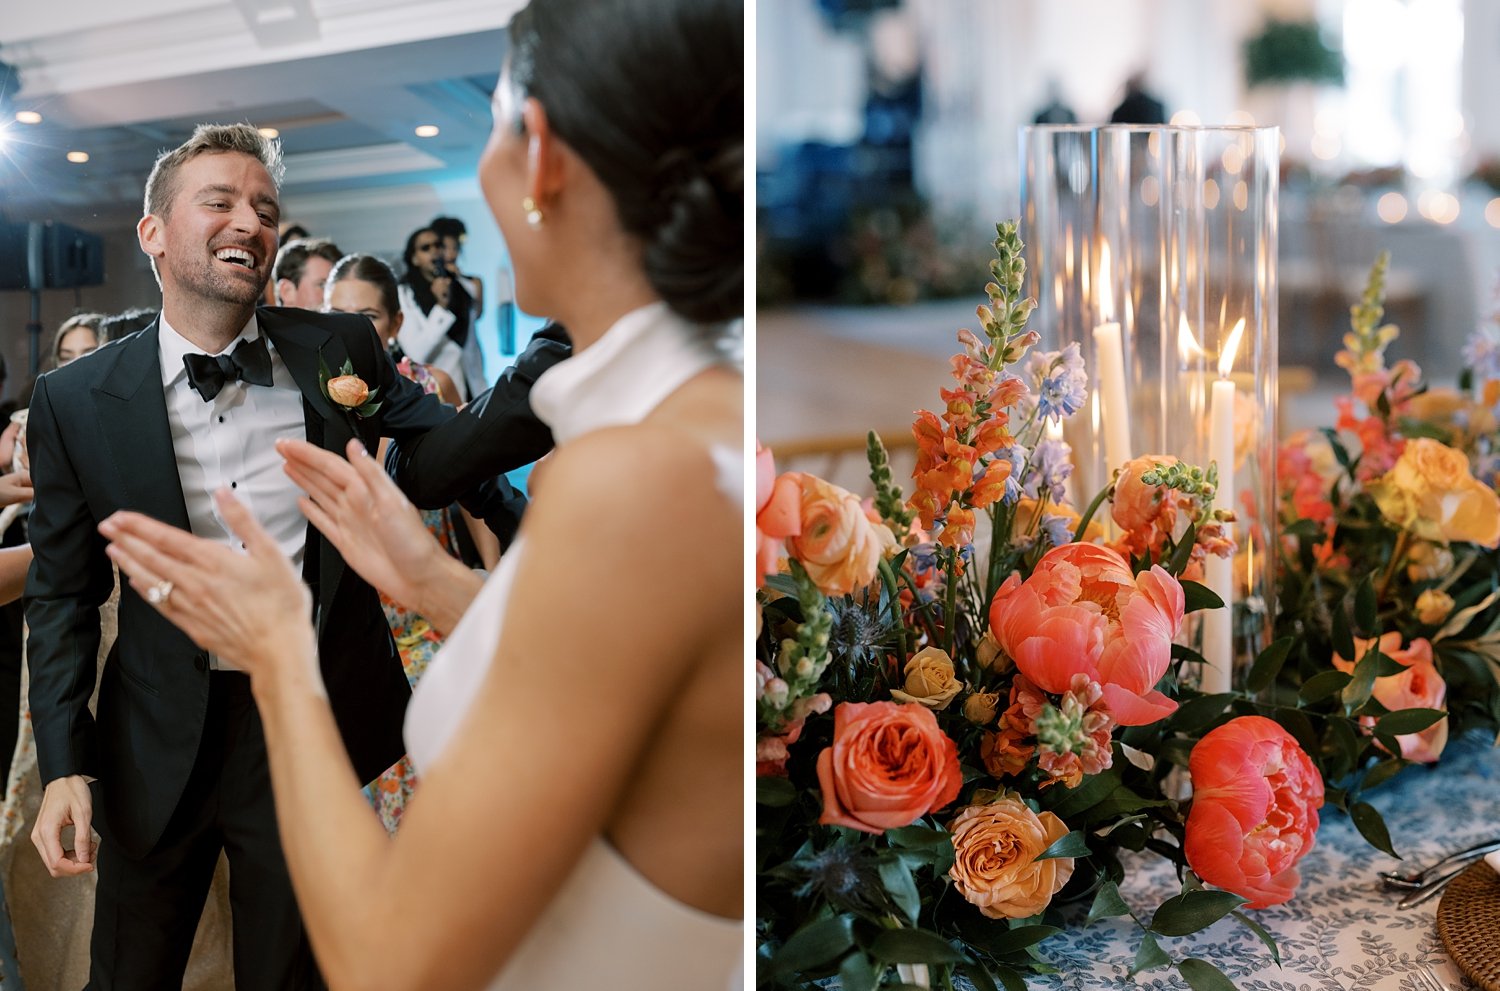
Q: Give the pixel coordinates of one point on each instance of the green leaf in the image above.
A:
(1149, 956)
(1321, 686)
(857, 973)
(1073, 845)
(785, 584)
(1268, 665)
(1405, 721)
(1183, 552)
(1090, 792)
(1260, 931)
(1200, 711)
(774, 792)
(1204, 976)
(1372, 827)
(813, 945)
(1192, 911)
(1366, 614)
(979, 977)
(1019, 938)
(1197, 596)
(1385, 770)
(916, 837)
(898, 883)
(913, 946)
(1107, 903)
(1343, 640)
(1010, 978)
(1362, 682)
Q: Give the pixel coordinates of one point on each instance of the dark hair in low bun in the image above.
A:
(650, 93)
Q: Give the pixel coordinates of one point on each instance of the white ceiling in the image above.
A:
(345, 81)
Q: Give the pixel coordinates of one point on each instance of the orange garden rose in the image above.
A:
(836, 542)
(930, 680)
(348, 390)
(777, 514)
(1419, 686)
(1083, 612)
(1431, 492)
(994, 858)
(1255, 806)
(889, 765)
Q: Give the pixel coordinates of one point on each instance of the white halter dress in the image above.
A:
(608, 926)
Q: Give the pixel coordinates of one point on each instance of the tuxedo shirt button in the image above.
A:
(221, 419)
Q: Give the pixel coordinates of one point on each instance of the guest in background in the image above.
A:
(366, 285)
(1138, 106)
(301, 271)
(453, 232)
(438, 311)
(78, 336)
(1055, 110)
(125, 323)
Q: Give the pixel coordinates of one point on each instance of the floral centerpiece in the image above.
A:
(1389, 574)
(974, 714)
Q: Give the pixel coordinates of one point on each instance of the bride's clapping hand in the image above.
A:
(357, 507)
(226, 601)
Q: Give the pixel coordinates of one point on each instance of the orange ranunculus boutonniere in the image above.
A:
(347, 390)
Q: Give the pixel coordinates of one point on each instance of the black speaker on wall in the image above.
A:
(49, 255)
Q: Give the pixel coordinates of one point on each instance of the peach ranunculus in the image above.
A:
(777, 513)
(1419, 686)
(995, 868)
(889, 765)
(1082, 612)
(1431, 492)
(836, 542)
(1255, 806)
(930, 680)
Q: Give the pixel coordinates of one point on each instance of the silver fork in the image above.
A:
(1410, 877)
(1432, 887)
(1426, 979)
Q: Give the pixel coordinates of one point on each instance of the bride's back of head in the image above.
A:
(650, 94)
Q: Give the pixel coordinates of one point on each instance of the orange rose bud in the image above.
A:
(348, 390)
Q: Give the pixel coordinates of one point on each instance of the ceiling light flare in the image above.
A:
(78, 157)
(268, 132)
(28, 117)
(427, 130)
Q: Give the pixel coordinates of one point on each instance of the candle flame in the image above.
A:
(1231, 349)
(1106, 300)
(1187, 345)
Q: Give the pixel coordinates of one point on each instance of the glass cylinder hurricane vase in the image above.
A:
(1218, 368)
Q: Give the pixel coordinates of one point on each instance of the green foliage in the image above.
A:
(1291, 51)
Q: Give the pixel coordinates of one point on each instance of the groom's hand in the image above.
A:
(65, 802)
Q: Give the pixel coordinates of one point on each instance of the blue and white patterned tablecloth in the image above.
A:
(1343, 931)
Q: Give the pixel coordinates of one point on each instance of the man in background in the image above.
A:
(301, 271)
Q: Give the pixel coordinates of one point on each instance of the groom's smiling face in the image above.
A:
(217, 239)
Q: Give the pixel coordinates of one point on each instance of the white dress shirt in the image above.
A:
(231, 442)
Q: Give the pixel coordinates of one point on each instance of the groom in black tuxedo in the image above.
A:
(174, 769)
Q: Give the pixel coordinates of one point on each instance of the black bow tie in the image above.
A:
(250, 362)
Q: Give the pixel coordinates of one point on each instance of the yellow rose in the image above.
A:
(994, 858)
(990, 656)
(348, 390)
(1433, 606)
(929, 680)
(1428, 562)
(980, 708)
(1439, 405)
(1430, 492)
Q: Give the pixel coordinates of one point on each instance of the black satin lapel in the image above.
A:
(299, 346)
(131, 410)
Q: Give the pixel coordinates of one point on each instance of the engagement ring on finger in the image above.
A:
(158, 594)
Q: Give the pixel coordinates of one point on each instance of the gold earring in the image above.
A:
(533, 212)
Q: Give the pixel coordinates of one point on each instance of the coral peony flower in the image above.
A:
(994, 858)
(929, 680)
(777, 513)
(836, 542)
(1431, 492)
(889, 765)
(1082, 612)
(1255, 806)
(1419, 686)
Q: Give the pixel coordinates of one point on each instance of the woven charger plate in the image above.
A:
(1468, 921)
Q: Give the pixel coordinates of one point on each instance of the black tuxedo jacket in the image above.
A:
(100, 442)
(496, 433)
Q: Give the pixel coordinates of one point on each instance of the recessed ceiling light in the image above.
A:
(78, 157)
(427, 131)
(28, 117)
(268, 132)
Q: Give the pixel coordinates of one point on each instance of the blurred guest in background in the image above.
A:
(78, 336)
(453, 232)
(125, 323)
(1138, 106)
(301, 271)
(438, 311)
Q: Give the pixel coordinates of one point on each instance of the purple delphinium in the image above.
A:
(1059, 383)
(1048, 472)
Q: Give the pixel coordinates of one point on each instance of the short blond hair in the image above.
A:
(161, 184)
